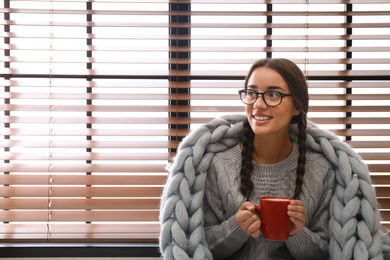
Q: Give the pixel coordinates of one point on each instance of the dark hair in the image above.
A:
(296, 82)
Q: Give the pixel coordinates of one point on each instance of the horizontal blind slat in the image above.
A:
(154, 120)
(164, 49)
(92, 131)
(184, 108)
(80, 215)
(381, 180)
(81, 191)
(88, 120)
(181, 96)
(369, 144)
(205, 13)
(117, 156)
(63, 179)
(197, 25)
(114, 36)
(350, 120)
(79, 203)
(278, 1)
(195, 73)
(80, 228)
(158, 132)
(83, 168)
(89, 144)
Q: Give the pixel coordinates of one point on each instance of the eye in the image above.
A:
(273, 95)
(251, 93)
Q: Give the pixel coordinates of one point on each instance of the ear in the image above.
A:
(296, 111)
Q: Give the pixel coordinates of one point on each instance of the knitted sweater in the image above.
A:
(223, 199)
(354, 225)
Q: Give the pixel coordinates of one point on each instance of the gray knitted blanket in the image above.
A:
(354, 223)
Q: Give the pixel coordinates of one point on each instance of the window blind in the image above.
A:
(85, 120)
(97, 95)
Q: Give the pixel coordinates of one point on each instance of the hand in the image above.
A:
(297, 213)
(248, 220)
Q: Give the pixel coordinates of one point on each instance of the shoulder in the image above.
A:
(223, 180)
(225, 167)
(319, 182)
(317, 159)
(319, 168)
(230, 155)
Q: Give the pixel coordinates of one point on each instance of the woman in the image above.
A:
(267, 162)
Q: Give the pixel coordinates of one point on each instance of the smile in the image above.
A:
(262, 118)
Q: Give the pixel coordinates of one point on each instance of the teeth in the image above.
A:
(262, 118)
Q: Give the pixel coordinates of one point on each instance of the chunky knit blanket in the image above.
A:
(354, 217)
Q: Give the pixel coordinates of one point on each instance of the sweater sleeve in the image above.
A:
(223, 235)
(314, 237)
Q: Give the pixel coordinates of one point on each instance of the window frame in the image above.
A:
(182, 81)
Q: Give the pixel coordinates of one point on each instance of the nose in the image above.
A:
(260, 103)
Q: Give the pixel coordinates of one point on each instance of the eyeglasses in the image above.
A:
(270, 98)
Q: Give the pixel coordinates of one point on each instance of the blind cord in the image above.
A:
(51, 130)
(306, 39)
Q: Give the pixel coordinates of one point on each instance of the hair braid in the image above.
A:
(302, 125)
(247, 185)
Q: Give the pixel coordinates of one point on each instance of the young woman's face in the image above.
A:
(264, 120)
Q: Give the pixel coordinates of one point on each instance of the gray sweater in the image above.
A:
(223, 199)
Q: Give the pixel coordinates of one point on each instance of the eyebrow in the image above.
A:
(268, 88)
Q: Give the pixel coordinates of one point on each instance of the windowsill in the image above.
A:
(79, 250)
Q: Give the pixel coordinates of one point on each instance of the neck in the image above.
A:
(271, 151)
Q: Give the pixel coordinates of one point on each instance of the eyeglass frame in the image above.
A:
(282, 95)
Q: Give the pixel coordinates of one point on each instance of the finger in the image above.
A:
(296, 203)
(246, 217)
(297, 206)
(255, 234)
(296, 211)
(247, 206)
(250, 220)
(298, 220)
(299, 214)
(254, 227)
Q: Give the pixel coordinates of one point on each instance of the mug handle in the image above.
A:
(257, 210)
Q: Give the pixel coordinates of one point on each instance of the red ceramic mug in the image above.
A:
(275, 223)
